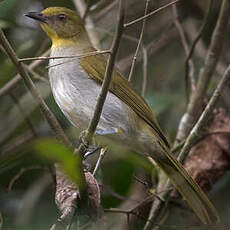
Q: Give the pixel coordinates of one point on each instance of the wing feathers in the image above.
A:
(123, 90)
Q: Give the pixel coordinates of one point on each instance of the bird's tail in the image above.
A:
(188, 188)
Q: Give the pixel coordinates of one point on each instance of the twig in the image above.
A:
(16, 143)
(165, 39)
(103, 9)
(133, 212)
(107, 190)
(150, 14)
(108, 73)
(26, 118)
(191, 75)
(31, 197)
(214, 51)
(139, 41)
(86, 10)
(188, 62)
(63, 57)
(195, 132)
(89, 23)
(201, 49)
(51, 119)
(15, 80)
(190, 117)
(20, 173)
(145, 71)
(101, 99)
(146, 185)
(35, 75)
(181, 144)
(100, 158)
(194, 135)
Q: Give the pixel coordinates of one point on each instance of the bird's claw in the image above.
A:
(87, 166)
(90, 150)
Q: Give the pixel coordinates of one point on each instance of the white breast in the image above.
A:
(76, 94)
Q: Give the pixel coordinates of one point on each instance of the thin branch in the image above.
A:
(31, 198)
(150, 14)
(139, 41)
(16, 144)
(64, 57)
(35, 75)
(89, 23)
(205, 75)
(134, 213)
(181, 144)
(26, 118)
(194, 135)
(201, 50)
(191, 75)
(51, 119)
(100, 158)
(102, 10)
(15, 80)
(195, 132)
(107, 190)
(86, 10)
(165, 39)
(20, 173)
(145, 71)
(188, 63)
(101, 99)
(108, 73)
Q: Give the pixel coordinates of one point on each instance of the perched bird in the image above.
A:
(76, 84)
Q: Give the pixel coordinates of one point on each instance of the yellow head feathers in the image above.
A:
(62, 25)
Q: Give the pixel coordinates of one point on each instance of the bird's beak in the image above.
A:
(37, 16)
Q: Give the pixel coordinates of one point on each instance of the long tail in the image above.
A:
(188, 188)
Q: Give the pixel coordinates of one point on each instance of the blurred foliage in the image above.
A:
(165, 94)
(57, 152)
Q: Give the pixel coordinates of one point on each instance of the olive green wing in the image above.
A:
(95, 67)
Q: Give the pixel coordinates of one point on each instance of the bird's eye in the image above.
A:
(62, 17)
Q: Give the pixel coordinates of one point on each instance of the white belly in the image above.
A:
(76, 94)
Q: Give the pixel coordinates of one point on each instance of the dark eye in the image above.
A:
(62, 17)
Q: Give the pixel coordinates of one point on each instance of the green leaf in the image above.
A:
(58, 152)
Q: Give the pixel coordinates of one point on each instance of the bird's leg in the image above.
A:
(88, 149)
(91, 150)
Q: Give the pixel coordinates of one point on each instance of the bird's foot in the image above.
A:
(90, 150)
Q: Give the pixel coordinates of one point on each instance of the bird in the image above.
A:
(76, 83)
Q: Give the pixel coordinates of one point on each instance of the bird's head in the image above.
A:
(59, 23)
